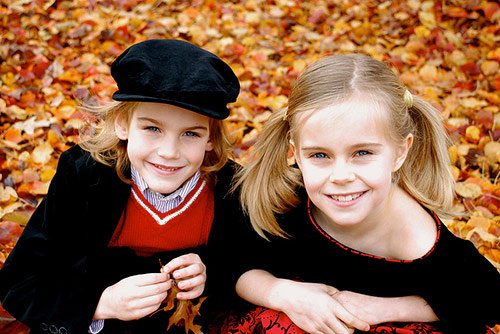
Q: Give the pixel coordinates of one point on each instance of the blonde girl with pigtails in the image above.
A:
(351, 235)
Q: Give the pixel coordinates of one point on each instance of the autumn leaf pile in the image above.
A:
(55, 53)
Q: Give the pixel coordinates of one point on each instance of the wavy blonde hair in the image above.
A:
(268, 183)
(99, 138)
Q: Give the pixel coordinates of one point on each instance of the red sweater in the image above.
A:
(146, 230)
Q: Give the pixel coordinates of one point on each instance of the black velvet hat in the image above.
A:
(175, 72)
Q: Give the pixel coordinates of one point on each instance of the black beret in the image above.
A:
(175, 72)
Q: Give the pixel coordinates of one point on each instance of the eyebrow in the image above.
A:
(355, 146)
(154, 121)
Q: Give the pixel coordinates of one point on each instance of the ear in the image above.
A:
(209, 146)
(295, 152)
(121, 127)
(402, 152)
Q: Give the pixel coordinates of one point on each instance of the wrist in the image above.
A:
(102, 311)
(278, 292)
(413, 308)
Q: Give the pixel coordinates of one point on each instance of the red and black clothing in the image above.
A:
(460, 285)
(147, 231)
(73, 247)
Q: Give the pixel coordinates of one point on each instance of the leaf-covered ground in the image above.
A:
(54, 53)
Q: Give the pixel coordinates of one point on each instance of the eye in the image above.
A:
(362, 153)
(152, 128)
(191, 134)
(319, 155)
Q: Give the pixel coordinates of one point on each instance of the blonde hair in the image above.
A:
(268, 183)
(100, 140)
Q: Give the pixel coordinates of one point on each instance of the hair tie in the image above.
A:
(408, 97)
(285, 114)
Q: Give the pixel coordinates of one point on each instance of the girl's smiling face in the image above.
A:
(165, 143)
(347, 161)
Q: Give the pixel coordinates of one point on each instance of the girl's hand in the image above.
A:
(189, 274)
(376, 310)
(133, 297)
(312, 308)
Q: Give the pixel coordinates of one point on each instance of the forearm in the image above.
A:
(378, 310)
(411, 308)
(261, 288)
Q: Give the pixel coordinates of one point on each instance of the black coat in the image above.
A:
(54, 277)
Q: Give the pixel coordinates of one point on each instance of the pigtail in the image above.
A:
(426, 173)
(268, 183)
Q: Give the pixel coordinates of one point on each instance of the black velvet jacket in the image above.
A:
(53, 278)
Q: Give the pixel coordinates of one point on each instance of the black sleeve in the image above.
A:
(466, 299)
(231, 246)
(43, 282)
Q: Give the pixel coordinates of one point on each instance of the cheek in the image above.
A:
(376, 175)
(196, 154)
(313, 177)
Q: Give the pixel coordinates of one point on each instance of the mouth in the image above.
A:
(166, 168)
(347, 198)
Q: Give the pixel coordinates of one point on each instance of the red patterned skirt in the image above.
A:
(265, 321)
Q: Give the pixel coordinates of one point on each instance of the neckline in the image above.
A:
(377, 257)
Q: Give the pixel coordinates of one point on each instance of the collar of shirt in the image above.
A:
(164, 203)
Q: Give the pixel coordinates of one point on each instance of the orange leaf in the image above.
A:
(13, 135)
(491, 9)
(457, 12)
(71, 75)
(185, 314)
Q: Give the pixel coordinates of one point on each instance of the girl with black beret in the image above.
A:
(132, 209)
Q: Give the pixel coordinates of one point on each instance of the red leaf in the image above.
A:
(484, 118)
(471, 69)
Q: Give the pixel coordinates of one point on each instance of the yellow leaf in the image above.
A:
(457, 58)
(427, 18)
(71, 75)
(428, 72)
(479, 222)
(489, 67)
(42, 153)
(7, 193)
(472, 133)
(492, 151)
(10, 213)
(422, 32)
(64, 112)
(473, 103)
(8, 78)
(453, 154)
(47, 173)
(299, 65)
(468, 190)
(455, 172)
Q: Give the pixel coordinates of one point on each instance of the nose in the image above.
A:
(341, 172)
(169, 148)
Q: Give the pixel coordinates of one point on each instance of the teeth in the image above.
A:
(171, 169)
(346, 198)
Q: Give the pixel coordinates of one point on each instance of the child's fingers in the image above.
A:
(191, 294)
(147, 279)
(352, 321)
(195, 269)
(191, 283)
(185, 266)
